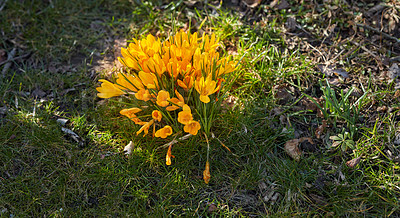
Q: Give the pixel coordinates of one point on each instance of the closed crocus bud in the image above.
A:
(206, 173)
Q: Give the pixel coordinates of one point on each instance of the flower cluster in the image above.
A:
(173, 84)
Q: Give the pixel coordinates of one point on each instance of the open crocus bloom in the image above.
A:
(185, 116)
(192, 127)
(143, 95)
(163, 98)
(156, 114)
(206, 87)
(164, 132)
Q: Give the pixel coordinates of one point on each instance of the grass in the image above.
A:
(46, 172)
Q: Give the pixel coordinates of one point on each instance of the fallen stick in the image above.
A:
(8, 65)
(3, 5)
(393, 59)
(378, 31)
(175, 141)
(13, 59)
(367, 50)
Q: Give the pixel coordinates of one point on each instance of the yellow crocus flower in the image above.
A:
(169, 155)
(156, 114)
(128, 60)
(145, 128)
(206, 173)
(131, 114)
(164, 132)
(206, 87)
(156, 65)
(192, 127)
(163, 98)
(225, 67)
(143, 95)
(210, 43)
(149, 80)
(177, 102)
(185, 116)
(108, 89)
(186, 83)
(126, 81)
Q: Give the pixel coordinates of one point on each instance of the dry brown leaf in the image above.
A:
(320, 114)
(382, 109)
(229, 102)
(279, 4)
(128, 148)
(212, 208)
(397, 94)
(334, 81)
(320, 129)
(282, 94)
(308, 104)
(292, 149)
(306, 139)
(354, 162)
(38, 93)
(394, 72)
(3, 55)
(252, 3)
(307, 144)
(331, 71)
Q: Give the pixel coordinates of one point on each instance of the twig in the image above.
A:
(378, 31)
(368, 51)
(8, 65)
(393, 59)
(4, 4)
(223, 145)
(175, 141)
(16, 58)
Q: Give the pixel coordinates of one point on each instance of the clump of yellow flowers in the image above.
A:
(175, 85)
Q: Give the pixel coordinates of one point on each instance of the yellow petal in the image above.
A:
(204, 98)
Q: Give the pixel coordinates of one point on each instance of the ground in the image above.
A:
(312, 121)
